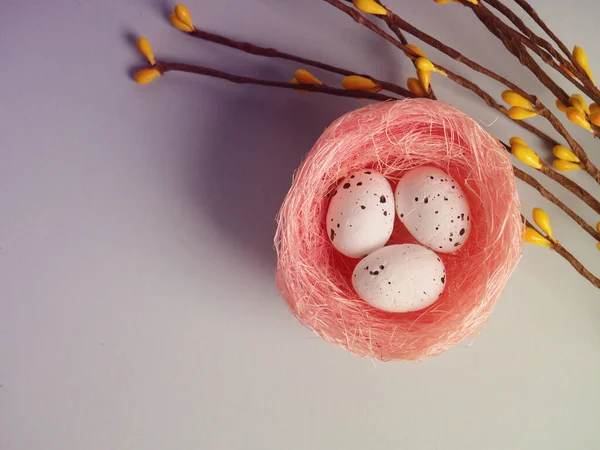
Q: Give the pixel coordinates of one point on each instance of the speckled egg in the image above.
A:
(360, 217)
(433, 208)
(400, 278)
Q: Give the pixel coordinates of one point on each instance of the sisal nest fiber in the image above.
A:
(391, 138)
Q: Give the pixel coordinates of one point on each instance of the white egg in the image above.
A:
(400, 278)
(360, 217)
(433, 208)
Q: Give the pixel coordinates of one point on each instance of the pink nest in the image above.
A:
(393, 137)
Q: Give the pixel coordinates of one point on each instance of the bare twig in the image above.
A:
(165, 67)
(574, 65)
(273, 53)
(526, 178)
(558, 248)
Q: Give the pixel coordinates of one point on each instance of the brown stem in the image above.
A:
(515, 43)
(558, 248)
(537, 40)
(582, 82)
(165, 67)
(577, 149)
(581, 74)
(394, 21)
(511, 40)
(571, 186)
(273, 53)
(525, 177)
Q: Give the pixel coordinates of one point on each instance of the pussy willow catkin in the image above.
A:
(393, 137)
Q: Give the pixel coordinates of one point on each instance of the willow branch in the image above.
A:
(558, 248)
(537, 40)
(581, 74)
(165, 67)
(526, 178)
(549, 54)
(273, 53)
(394, 20)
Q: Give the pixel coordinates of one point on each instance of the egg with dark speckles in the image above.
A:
(360, 217)
(434, 209)
(400, 278)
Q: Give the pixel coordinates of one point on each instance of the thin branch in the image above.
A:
(581, 82)
(165, 67)
(571, 186)
(558, 248)
(273, 53)
(581, 74)
(526, 178)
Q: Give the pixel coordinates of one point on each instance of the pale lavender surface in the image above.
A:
(137, 303)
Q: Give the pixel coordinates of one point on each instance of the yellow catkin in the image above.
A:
(563, 166)
(581, 58)
(594, 108)
(423, 63)
(561, 106)
(526, 156)
(542, 220)
(577, 101)
(145, 76)
(144, 47)
(358, 83)
(442, 2)
(514, 99)
(305, 77)
(562, 152)
(517, 140)
(595, 118)
(415, 87)
(370, 7)
(415, 50)
(183, 14)
(519, 113)
(424, 77)
(179, 24)
(531, 236)
(578, 117)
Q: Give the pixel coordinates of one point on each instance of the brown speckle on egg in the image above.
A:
(346, 185)
(332, 235)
